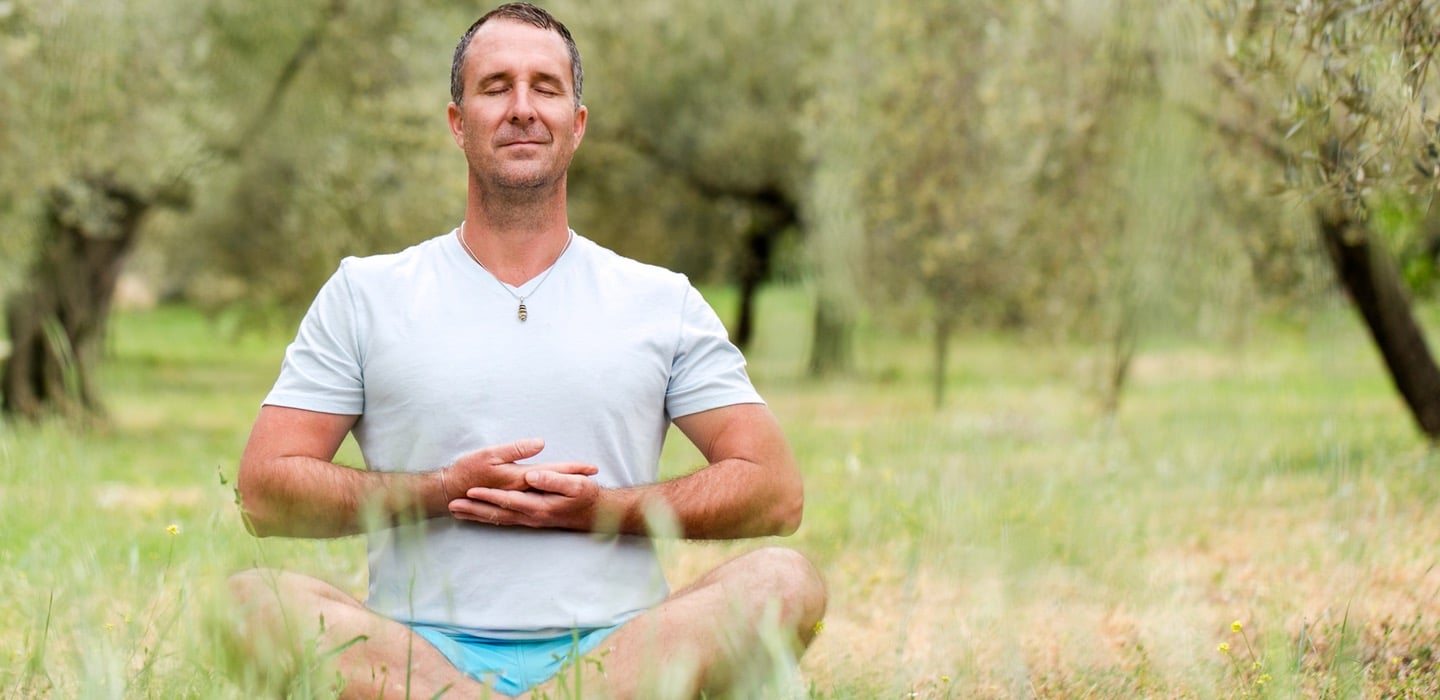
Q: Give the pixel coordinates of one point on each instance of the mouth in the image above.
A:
(523, 141)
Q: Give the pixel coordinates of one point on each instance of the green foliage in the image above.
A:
(1024, 166)
(673, 86)
(89, 89)
(92, 87)
(693, 123)
(350, 160)
(300, 126)
(1336, 100)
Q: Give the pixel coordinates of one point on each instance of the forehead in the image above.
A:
(516, 48)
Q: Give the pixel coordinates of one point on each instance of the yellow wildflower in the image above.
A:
(1223, 648)
(1235, 626)
(819, 626)
(173, 529)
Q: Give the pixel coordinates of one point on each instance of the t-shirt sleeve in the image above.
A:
(323, 367)
(707, 371)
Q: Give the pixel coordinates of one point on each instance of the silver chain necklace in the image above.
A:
(520, 313)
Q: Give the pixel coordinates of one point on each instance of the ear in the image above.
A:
(457, 124)
(581, 113)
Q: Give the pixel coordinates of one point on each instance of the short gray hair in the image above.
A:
(520, 12)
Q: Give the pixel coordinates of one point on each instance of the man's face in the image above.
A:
(518, 123)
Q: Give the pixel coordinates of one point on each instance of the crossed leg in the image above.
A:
(732, 626)
(300, 631)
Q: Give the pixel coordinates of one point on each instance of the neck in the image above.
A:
(516, 232)
(511, 210)
(514, 254)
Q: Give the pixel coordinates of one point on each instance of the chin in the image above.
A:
(535, 182)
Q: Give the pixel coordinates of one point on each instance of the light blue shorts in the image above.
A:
(511, 666)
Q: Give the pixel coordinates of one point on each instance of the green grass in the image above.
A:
(1015, 543)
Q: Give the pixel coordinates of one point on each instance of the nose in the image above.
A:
(521, 110)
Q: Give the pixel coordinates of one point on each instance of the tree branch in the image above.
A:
(284, 80)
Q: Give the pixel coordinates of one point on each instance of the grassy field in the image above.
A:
(1258, 519)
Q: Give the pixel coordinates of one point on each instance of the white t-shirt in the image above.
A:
(425, 346)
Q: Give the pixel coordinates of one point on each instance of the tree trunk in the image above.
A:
(774, 216)
(745, 325)
(1370, 277)
(57, 321)
(1123, 342)
(753, 270)
(830, 342)
(944, 327)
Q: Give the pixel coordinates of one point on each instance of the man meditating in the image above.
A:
(510, 384)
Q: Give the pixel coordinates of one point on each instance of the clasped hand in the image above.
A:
(497, 491)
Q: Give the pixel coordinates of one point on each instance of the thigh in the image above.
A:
(275, 597)
(297, 626)
(741, 619)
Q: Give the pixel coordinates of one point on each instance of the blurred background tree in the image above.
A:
(676, 108)
(94, 145)
(350, 161)
(120, 110)
(1026, 167)
(1334, 100)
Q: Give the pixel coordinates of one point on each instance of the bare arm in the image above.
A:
(288, 485)
(751, 487)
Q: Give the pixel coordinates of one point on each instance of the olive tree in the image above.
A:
(109, 120)
(1336, 99)
(95, 147)
(694, 152)
(1014, 166)
(355, 158)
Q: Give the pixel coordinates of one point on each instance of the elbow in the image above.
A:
(788, 524)
(250, 503)
(787, 514)
(255, 525)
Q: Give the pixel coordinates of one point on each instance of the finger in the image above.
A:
(564, 484)
(476, 511)
(578, 468)
(504, 499)
(514, 451)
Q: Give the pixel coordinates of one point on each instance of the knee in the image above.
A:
(244, 582)
(259, 648)
(259, 590)
(788, 576)
(283, 607)
(262, 588)
(246, 586)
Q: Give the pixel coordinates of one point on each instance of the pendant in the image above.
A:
(520, 312)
